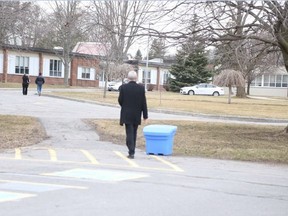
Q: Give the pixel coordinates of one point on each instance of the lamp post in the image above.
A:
(147, 59)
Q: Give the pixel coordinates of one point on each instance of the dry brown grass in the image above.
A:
(274, 108)
(19, 131)
(212, 140)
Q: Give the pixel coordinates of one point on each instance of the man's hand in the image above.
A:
(145, 121)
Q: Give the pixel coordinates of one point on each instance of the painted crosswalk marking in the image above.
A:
(100, 174)
(11, 190)
(132, 163)
(53, 154)
(173, 166)
(18, 155)
(10, 196)
(91, 157)
(34, 186)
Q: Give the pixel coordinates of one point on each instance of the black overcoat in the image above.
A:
(133, 103)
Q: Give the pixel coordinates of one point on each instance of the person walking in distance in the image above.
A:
(25, 84)
(133, 103)
(39, 82)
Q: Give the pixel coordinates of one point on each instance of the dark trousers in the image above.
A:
(25, 88)
(131, 136)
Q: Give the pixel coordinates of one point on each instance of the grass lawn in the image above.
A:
(212, 140)
(274, 108)
(19, 131)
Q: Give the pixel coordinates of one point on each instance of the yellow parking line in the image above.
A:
(132, 163)
(173, 166)
(18, 155)
(89, 156)
(53, 154)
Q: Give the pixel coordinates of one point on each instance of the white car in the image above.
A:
(202, 89)
(114, 86)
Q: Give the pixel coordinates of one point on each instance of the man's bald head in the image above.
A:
(132, 76)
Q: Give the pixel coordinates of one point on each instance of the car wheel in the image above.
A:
(191, 92)
(215, 94)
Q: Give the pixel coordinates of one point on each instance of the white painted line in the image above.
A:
(10, 196)
(45, 184)
(100, 174)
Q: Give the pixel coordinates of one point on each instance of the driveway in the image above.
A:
(75, 173)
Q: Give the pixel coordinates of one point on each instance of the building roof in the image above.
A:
(151, 63)
(92, 48)
(43, 50)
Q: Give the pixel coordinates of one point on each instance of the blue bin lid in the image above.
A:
(159, 129)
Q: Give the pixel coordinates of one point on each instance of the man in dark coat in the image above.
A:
(133, 103)
(39, 82)
(25, 84)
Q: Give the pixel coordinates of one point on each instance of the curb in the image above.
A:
(208, 116)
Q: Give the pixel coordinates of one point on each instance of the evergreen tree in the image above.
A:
(158, 49)
(190, 69)
(138, 55)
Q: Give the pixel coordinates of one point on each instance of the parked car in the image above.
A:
(202, 89)
(114, 86)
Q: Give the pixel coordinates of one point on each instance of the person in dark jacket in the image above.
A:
(133, 103)
(39, 82)
(25, 84)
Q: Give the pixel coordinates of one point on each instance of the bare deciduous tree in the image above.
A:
(66, 30)
(17, 22)
(229, 78)
(266, 22)
(120, 21)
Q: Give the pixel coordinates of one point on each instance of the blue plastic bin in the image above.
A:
(159, 139)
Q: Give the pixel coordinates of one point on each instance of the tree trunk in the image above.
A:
(286, 129)
(66, 72)
(248, 87)
(241, 92)
(229, 94)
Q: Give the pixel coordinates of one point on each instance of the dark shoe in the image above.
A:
(130, 156)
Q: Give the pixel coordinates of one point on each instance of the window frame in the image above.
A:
(86, 71)
(22, 64)
(269, 80)
(56, 70)
(148, 76)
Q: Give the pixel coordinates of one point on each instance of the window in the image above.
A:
(166, 77)
(272, 80)
(148, 76)
(266, 80)
(278, 80)
(285, 81)
(258, 81)
(22, 65)
(55, 68)
(85, 73)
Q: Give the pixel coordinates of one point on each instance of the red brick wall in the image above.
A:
(76, 62)
(83, 62)
(48, 80)
(88, 83)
